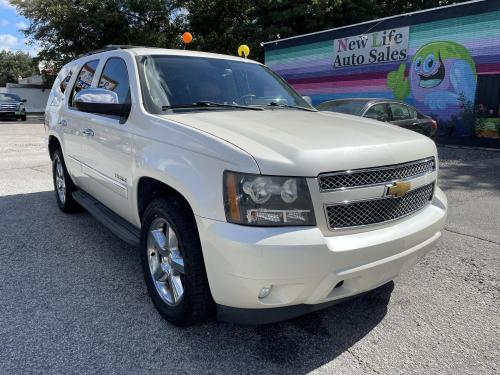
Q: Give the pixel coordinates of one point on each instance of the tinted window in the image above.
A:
(180, 80)
(351, 108)
(114, 77)
(399, 112)
(65, 81)
(378, 112)
(85, 77)
(413, 113)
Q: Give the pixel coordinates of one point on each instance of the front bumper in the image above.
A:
(304, 266)
(17, 114)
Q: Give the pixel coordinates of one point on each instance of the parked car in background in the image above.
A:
(11, 105)
(386, 110)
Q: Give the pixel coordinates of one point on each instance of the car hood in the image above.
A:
(300, 143)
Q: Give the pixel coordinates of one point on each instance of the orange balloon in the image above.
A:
(187, 37)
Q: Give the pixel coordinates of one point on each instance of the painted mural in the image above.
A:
(441, 80)
(440, 76)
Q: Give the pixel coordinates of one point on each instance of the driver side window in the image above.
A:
(114, 78)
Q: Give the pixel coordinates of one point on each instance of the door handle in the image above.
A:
(63, 123)
(88, 132)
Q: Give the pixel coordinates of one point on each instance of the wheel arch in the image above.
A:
(149, 188)
(53, 145)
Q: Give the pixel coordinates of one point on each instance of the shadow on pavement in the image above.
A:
(73, 298)
(469, 169)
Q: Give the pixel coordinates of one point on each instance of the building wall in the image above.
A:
(469, 46)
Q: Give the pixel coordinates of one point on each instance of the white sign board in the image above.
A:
(377, 47)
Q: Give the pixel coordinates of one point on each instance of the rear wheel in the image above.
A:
(63, 185)
(173, 264)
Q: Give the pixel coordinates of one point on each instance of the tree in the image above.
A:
(67, 29)
(221, 25)
(15, 64)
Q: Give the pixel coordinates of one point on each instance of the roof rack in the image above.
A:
(109, 47)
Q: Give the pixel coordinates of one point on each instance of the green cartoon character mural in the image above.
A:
(441, 79)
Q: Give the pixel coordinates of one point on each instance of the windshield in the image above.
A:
(9, 98)
(348, 107)
(170, 81)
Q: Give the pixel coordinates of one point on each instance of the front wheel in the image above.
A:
(23, 118)
(173, 264)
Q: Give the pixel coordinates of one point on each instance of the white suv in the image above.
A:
(245, 201)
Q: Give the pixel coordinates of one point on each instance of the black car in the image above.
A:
(387, 110)
(11, 105)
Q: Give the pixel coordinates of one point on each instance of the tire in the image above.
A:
(168, 235)
(23, 118)
(63, 186)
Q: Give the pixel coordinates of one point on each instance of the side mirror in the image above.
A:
(308, 100)
(100, 101)
(24, 100)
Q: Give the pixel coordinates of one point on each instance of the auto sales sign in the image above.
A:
(377, 47)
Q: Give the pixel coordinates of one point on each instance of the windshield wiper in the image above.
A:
(274, 104)
(202, 104)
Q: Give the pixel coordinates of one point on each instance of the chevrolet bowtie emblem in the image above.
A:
(398, 189)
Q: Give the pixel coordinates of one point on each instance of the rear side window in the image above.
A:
(61, 82)
(114, 77)
(84, 79)
(65, 81)
(413, 113)
(378, 112)
(399, 112)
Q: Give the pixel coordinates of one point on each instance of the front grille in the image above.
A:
(375, 211)
(373, 176)
(8, 107)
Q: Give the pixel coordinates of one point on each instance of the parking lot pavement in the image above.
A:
(72, 298)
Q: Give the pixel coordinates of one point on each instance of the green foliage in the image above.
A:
(15, 64)
(67, 29)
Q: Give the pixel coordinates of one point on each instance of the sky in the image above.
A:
(11, 24)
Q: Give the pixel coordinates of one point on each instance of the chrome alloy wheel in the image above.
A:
(166, 263)
(60, 182)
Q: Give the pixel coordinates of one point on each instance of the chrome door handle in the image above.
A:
(63, 123)
(88, 132)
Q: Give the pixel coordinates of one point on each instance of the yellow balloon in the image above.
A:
(243, 50)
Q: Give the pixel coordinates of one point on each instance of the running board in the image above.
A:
(120, 227)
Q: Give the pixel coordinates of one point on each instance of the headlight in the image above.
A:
(21, 106)
(267, 200)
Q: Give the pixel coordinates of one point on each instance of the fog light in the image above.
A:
(264, 292)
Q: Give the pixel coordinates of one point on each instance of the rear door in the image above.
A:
(407, 117)
(400, 114)
(75, 122)
(107, 155)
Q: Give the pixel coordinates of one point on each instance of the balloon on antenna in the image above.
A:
(187, 37)
(243, 50)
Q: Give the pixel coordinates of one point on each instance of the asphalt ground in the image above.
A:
(72, 297)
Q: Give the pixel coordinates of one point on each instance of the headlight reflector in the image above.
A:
(267, 200)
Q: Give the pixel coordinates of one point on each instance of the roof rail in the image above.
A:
(109, 47)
